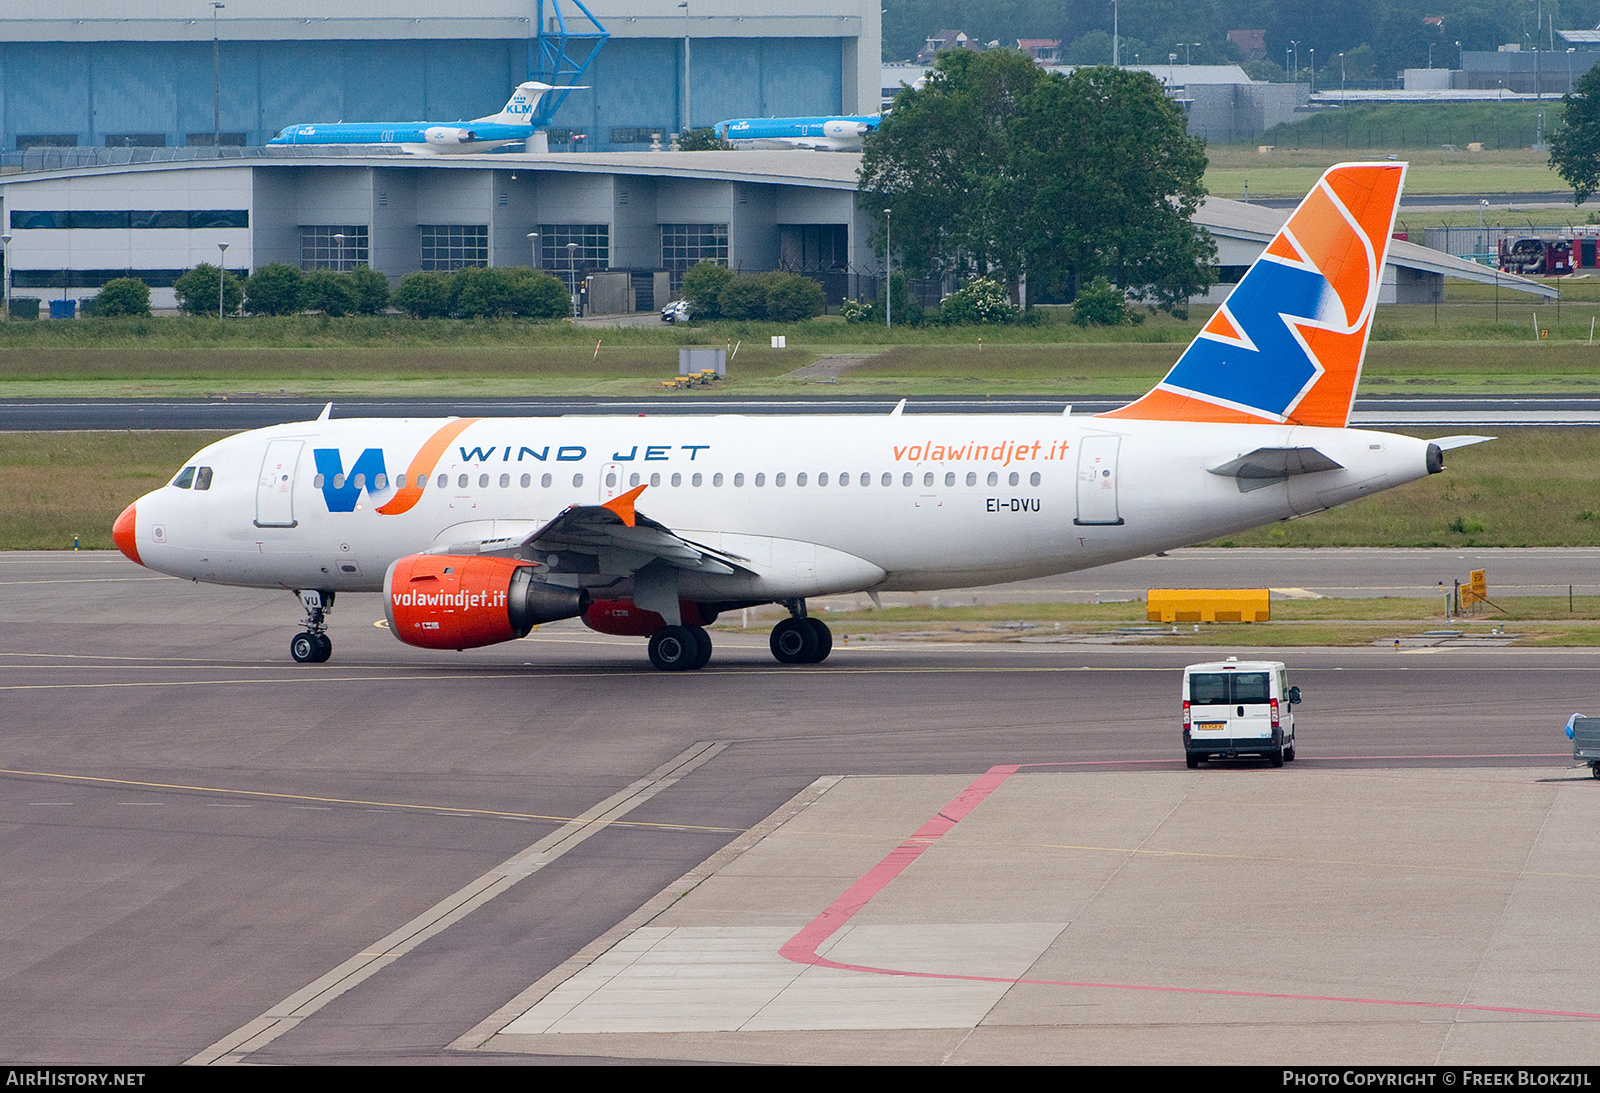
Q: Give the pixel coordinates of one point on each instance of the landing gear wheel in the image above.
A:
(309, 648)
(675, 649)
(794, 641)
(703, 642)
(824, 639)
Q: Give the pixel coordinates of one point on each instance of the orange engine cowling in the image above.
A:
(628, 619)
(445, 601)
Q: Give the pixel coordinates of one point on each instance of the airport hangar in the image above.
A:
(186, 73)
(650, 215)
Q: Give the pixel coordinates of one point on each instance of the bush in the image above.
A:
(426, 295)
(197, 291)
(536, 294)
(703, 140)
(123, 296)
(329, 292)
(371, 290)
(791, 298)
(274, 289)
(981, 300)
(702, 285)
(744, 298)
(482, 292)
(1101, 303)
(859, 311)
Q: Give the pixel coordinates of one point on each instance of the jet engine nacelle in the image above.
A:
(627, 619)
(448, 134)
(844, 130)
(446, 601)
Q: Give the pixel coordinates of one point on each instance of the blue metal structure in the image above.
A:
(552, 56)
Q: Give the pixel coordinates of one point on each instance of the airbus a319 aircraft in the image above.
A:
(477, 529)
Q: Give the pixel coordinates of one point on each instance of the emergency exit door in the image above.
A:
(1097, 480)
(275, 488)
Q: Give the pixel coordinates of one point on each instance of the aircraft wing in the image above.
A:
(623, 541)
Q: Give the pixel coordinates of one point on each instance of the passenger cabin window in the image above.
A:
(202, 479)
(185, 478)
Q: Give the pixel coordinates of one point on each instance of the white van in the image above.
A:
(1238, 707)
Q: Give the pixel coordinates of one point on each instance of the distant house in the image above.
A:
(946, 40)
(1252, 43)
(1044, 50)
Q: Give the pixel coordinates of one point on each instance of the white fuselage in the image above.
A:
(813, 504)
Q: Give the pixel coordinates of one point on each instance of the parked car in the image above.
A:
(676, 312)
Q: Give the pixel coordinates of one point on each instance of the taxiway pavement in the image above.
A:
(210, 853)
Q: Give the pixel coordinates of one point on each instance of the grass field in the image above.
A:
(54, 486)
(1290, 172)
(1538, 620)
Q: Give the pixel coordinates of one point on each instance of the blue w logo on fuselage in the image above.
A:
(1271, 376)
(340, 491)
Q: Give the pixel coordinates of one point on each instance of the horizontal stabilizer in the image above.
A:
(1265, 466)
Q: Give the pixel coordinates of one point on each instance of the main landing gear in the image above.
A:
(313, 646)
(801, 639)
(680, 648)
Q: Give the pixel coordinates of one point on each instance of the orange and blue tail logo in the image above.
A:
(1287, 344)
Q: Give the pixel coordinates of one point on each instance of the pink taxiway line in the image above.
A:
(802, 947)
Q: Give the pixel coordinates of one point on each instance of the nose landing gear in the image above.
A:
(313, 646)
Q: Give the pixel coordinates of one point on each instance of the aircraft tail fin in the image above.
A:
(1288, 342)
(519, 109)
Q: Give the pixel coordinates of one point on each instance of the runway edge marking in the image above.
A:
(279, 1019)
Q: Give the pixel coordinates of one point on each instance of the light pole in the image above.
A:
(888, 265)
(6, 241)
(1116, 38)
(1341, 79)
(338, 263)
(222, 275)
(686, 123)
(533, 242)
(1313, 68)
(1187, 59)
(572, 276)
(216, 80)
(1295, 46)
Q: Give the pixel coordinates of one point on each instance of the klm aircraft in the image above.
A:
(837, 134)
(514, 123)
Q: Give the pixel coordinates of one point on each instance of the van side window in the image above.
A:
(185, 479)
(1252, 687)
(202, 479)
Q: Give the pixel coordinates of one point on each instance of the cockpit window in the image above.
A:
(202, 479)
(184, 480)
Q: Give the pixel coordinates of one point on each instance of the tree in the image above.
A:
(703, 140)
(744, 298)
(371, 289)
(123, 296)
(1575, 147)
(702, 287)
(328, 292)
(792, 297)
(997, 169)
(535, 294)
(482, 292)
(426, 295)
(274, 289)
(197, 291)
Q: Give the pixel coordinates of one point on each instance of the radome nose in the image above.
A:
(122, 534)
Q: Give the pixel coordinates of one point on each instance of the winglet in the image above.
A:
(622, 504)
(1288, 342)
(327, 413)
(899, 408)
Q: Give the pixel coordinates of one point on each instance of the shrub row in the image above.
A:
(716, 292)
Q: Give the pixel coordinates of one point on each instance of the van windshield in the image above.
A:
(1228, 688)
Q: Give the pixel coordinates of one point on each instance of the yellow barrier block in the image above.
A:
(1208, 605)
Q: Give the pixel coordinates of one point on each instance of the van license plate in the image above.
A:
(1211, 726)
